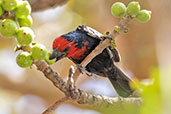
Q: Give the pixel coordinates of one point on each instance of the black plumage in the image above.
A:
(85, 40)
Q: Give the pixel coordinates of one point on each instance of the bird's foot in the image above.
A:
(82, 69)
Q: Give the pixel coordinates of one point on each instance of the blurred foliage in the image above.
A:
(122, 109)
(138, 50)
(6, 43)
(152, 102)
(151, 96)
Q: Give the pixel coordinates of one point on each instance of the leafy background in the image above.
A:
(145, 53)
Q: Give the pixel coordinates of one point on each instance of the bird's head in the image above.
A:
(57, 54)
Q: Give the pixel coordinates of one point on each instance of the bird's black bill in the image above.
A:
(57, 54)
(52, 57)
(54, 54)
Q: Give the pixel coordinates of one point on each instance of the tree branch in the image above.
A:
(78, 95)
(107, 42)
(55, 105)
(39, 5)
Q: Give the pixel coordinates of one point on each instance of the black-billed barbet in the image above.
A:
(76, 45)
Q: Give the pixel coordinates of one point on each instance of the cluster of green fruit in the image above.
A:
(10, 26)
(17, 22)
(119, 9)
(37, 52)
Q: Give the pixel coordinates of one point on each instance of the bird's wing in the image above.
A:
(91, 32)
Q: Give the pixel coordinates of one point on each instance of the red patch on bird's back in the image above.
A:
(86, 43)
(60, 43)
(73, 52)
(76, 53)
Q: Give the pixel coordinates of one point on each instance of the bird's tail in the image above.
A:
(120, 81)
(103, 65)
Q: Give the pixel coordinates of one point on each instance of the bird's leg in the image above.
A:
(82, 69)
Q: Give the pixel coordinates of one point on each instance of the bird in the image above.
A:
(79, 43)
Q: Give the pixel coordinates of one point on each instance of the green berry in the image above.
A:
(8, 27)
(106, 33)
(125, 31)
(25, 36)
(39, 52)
(116, 28)
(143, 16)
(9, 5)
(25, 22)
(23, 9)
(49, 61)
(1, 11)
(118, 9)
(113, 44)
(133, 8)
(24, 59)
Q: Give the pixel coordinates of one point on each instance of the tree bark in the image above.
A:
(40, 5)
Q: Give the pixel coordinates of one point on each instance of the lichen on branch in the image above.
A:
(78, 95)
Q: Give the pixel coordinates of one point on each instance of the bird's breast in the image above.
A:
(75, 51)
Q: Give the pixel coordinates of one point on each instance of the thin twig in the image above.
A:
(70, 81)
(52, 107)
(71, 86)
(54, 77)
(107, 42)
(76, 75)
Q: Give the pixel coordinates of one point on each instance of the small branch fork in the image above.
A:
(52, 107)
(105, 43)
(69, 89)
(75, 94)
